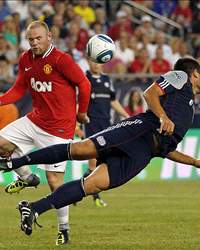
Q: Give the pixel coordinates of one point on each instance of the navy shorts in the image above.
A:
(126, 148)
(95, 125)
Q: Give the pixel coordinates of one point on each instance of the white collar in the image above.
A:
(51, 47)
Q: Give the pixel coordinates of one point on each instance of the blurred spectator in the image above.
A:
(80, 35)
(47, 14)
(159, 65)
(59, 22)
(147, 27)
(4, 11)
(183, 14)
(77, 55)
(133, 44)
(24, 44)
(164, 8)
(6, 71)
(183, 49)
(142, 63)
(8, 50)
(123, 52)
(56, 38)
(10, 31)
(160, 41)
(115, 66)
(174, 44)
(69, 13)
(35, 8)
(135, 103)
(101, 19)
(21, 7)
(146, 3)
(80, 21)
(146, 44)
(60, 7)
(16, 20)
(96, 28)
(195, 29)
(86, 12)
(138, 33)
(122, 23)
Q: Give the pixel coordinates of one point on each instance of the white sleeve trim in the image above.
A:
(176, 78)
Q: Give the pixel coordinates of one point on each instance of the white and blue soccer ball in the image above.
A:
(100, 48)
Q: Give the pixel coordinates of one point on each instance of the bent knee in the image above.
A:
(6, 146)
(54, 179)
(83, 150)
(91, 186)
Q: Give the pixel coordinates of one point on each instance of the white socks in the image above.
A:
(63, 218)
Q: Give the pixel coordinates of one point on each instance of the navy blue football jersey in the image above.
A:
(178, 103)
(102, 93)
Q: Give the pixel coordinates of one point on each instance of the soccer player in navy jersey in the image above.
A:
(125, 148)
(51, 76)
(103, 97)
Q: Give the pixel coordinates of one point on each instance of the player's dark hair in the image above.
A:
(187, 65)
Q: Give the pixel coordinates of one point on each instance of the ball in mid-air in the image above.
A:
(100, 48)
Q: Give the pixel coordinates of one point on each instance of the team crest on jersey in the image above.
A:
(47, 69)
(106, 84)
(191, 102)
(101, 141)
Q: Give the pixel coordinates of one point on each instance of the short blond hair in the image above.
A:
(36, 24)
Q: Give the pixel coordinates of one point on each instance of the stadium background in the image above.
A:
(140, 30)
(143, 215)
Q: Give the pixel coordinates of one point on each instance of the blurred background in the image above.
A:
(150, 35)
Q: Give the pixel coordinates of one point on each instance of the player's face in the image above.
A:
(39, 40)
(196, 82)
(95, 68)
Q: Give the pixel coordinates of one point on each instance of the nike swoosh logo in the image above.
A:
(26, 69)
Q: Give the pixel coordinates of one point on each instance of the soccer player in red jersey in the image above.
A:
(51, 76)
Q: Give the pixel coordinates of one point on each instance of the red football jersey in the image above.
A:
(51, 80)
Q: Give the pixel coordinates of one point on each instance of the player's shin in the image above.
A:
(48, 155)
(66, 194)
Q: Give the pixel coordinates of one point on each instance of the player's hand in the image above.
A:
(166, 125)
(83, 118)
(78, 131)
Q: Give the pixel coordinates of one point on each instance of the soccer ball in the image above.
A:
(100, 48)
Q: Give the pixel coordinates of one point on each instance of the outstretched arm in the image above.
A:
(115, 104)
(183, 158)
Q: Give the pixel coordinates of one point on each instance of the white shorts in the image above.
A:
(27, 136)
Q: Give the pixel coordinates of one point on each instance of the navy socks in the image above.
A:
(66, 194)
(48, 155)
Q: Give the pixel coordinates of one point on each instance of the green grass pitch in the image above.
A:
(140, 216)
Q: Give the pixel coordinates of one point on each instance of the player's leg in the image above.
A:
(55, 177)
(98, 201)
(83, 150)
(26, 177)
(94, 126)
(66, 194)
(55, 180)
(15, 140)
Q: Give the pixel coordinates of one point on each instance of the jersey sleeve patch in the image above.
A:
(172, 81)
(175, 78)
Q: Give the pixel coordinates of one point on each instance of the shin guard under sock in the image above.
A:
(48, 155)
